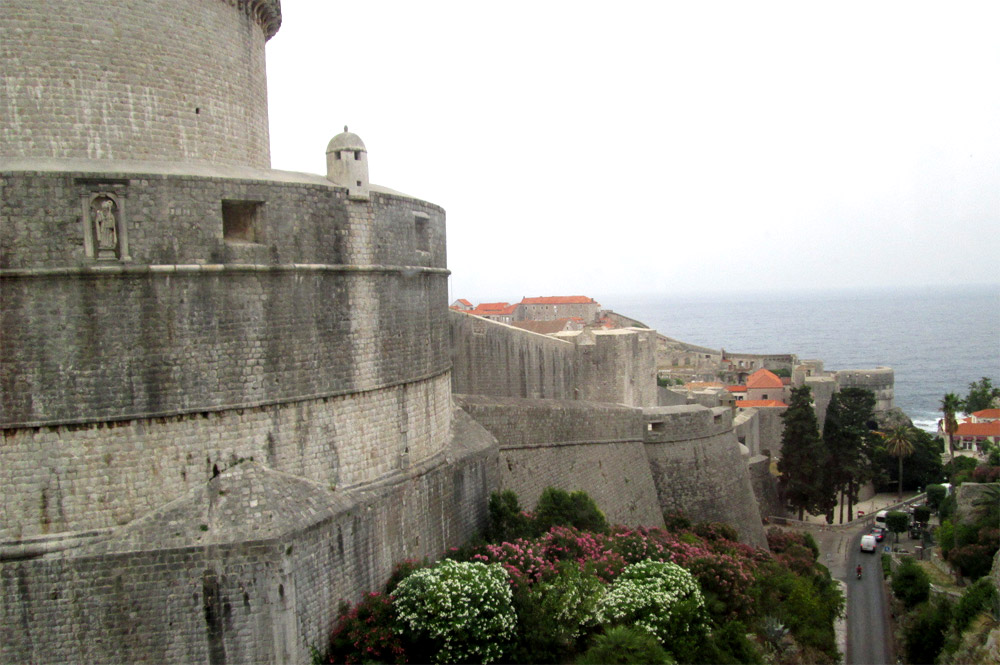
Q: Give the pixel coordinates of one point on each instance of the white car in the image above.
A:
(868, 543)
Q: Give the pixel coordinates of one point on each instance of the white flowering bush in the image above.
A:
(463, 608)
(659, 597)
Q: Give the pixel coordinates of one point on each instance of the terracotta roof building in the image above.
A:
(973, 435)
(765, 385)
(986, 416)
(549, 308)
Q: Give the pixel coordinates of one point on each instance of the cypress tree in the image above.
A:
(847, 434)
(804, 460)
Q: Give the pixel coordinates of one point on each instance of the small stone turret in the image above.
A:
(347, 164)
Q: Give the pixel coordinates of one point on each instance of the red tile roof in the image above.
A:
(758, 403)
(988, 414)
(465, 302)
(979, 429)
(764, 378)
(736, 389)
(559, 300)
(493, 309)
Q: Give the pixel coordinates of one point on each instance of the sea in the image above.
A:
(936, 339)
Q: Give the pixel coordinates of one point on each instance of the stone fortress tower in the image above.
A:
(226, 391)
(220, 385)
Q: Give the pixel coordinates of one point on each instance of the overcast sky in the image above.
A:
(664, 147)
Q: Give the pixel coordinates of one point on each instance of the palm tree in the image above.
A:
(950, 405)
(899, 444)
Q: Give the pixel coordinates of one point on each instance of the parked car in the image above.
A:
(868, 543)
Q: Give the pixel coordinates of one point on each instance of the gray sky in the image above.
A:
(640, 147)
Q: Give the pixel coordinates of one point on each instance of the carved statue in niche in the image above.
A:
(104, 213)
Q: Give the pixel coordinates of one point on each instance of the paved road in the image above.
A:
(867, 623)
(868, 631)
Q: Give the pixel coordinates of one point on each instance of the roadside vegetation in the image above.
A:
(560, 585)
(936, 625)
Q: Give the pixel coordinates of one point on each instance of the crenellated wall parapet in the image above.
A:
(670, 424)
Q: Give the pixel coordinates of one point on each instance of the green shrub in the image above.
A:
(730, 646)
(921, 513)
(973, 561)
(676, 522)
(558, 507)
(507, 522)
(661, 598)
(457, 611)
(625, 644)
(886, 566)
(911, 584)
(924, 632)
(935, 495)
(978, 597)
(947, 507)
(552, 615)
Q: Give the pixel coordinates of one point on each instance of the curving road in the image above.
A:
(868, 627)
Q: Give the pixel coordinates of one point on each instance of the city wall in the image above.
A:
(319, 348)
(248, 567)
(494, 359)
(572, 445)
(491, 358)
(699, 469)
(880, 381)
(636, 463)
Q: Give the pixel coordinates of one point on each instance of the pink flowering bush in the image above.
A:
(524, 560)
(365, 633)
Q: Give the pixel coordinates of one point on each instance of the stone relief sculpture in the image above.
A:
(104, 235)
(105, 215)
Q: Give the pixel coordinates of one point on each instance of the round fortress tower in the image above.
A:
(171, 305)
(177, 80)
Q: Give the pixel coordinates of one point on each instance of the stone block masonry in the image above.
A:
(122, 80)
(699, 469)
(247, 568)
(636, 463)
(571, 445)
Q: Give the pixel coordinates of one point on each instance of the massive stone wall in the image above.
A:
(320, 348)
(699, 469)
(585, 446)
(490, 358)
(616, 366)
(880, 381)
(247, 567)
(86, 476)
(120, 80)
(689, 460)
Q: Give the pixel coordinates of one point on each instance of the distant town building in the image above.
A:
(969, 436)
(495, 311)
(462, 305)
(550, 308)
(985, 416)
(765, 385)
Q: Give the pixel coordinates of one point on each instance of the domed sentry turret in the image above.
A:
(347, 164)
(178, 81)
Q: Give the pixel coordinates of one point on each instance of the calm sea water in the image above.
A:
(937, 340)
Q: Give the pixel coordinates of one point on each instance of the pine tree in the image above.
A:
(804, 460)
(847, 434)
